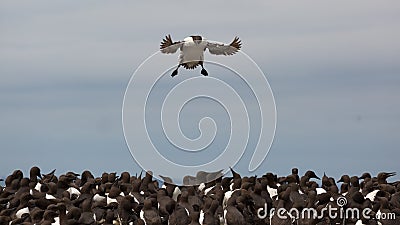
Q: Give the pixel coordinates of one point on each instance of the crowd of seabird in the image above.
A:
(113, 198)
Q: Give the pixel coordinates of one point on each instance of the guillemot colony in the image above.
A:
(73, 198)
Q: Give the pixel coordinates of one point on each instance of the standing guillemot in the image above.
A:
(192, 50)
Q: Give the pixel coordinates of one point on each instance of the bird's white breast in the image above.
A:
(22, 211)
(371, 195)
(192, 51)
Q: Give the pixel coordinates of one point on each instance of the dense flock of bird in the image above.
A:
(73, 198)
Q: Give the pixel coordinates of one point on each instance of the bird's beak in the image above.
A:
(391, 174)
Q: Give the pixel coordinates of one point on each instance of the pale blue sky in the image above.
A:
(333, 66)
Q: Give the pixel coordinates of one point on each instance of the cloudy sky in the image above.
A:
(334, 69)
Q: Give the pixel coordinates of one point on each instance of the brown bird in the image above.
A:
(192, 50)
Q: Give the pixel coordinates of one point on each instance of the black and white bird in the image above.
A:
(192, 50)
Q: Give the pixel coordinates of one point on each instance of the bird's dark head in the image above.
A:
(197, 39)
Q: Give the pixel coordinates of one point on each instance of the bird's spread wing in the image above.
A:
(223, 49)
(167, 46)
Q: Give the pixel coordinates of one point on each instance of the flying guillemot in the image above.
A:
(192, 50)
